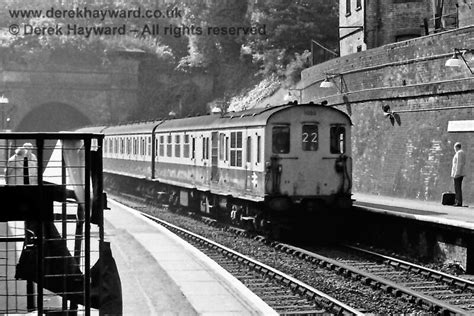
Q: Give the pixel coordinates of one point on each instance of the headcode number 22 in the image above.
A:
(314, 137)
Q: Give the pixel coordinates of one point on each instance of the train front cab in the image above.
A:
(308, 164)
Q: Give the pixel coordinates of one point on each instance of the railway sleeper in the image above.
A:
(387, 288)
(354, 275)
(460, 284)
(375, 284)
(297, 309)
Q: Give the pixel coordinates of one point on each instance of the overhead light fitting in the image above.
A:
(458, 58)
(327, 84)
(454, 61)
(3, 99)
(330, 82)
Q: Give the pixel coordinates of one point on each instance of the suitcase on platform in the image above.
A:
(448, 198)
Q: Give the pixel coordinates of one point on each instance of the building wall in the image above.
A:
(414, 159)
(351, 38)
(466, 13)
(389, 21)
(399, 20)
(100, 93)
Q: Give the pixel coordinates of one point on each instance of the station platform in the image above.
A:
(163, 275)
(429, 211)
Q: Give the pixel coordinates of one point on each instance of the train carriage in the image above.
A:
(245, 165)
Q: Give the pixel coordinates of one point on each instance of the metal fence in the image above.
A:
(51, 223)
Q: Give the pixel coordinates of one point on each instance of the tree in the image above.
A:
(69, 31)
(290, 27)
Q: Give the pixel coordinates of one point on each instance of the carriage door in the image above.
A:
(250, 176)
(214, 159)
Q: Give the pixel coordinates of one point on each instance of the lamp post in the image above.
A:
(3, 102)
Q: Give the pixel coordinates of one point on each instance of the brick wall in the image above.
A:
(389, 21)
(350, 36)
(399, 19)
(414, 159)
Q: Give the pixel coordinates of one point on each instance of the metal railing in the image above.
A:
(51, 222)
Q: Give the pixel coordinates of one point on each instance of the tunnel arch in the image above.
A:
(52, 117)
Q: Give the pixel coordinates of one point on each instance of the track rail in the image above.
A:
(429, 302)
(298, 289)
(459, 287)
(430, 273)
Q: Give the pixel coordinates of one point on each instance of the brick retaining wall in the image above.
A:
(414, 159)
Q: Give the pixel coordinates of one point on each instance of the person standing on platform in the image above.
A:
(458, 173)
(22, 167)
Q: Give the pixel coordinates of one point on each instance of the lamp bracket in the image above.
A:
(463, 51)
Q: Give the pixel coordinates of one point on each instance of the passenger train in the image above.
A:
(255, 167)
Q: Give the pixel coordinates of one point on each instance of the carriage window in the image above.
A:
(135, 146)
(177, 146)
(160, 146)
(249, 149)
(221, 146)
(281, 139)
(193, 149)
(259, 148)
(186, 146)
(310, 137)
(149, 146)
(142, 147)
(226, 148)
(169, 146)
(338, 139)
(205, 148)
(236, 149)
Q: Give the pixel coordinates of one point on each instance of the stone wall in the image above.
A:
(101, 93)
(389, 21)
(414, 159)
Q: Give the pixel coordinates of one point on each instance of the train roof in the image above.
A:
(92, 129)
(248, 118)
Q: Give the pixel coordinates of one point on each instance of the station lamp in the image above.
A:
(330, 83)
(5, 120)
(3, 100)
(459, 58)
(327, 83)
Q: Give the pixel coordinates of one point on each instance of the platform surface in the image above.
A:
(163, 275)
(420, 210)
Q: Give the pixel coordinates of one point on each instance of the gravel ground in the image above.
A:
(351, 292)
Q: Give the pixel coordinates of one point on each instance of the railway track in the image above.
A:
(443, 293)
(434, 290)
(455, 294)
(285, 294)
(361, 289)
